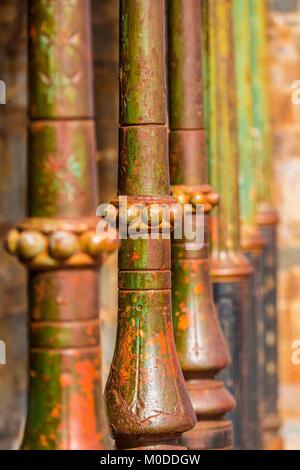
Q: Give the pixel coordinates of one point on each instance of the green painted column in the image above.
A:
(231, 270)
(147, 402)
(260, 102)
(58, 243)
(199, 340)
(252, 239)
(266, 217)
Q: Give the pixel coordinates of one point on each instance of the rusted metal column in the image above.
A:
(266, 217)
(230, 268)
(200, 343)
(148, 405)
(58, 242)
(252, 239)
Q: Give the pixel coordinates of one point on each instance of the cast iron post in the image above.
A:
(200, 343)
(251, 237)
(148, 405)
(58, 242)
(267, 217)
(230, 268)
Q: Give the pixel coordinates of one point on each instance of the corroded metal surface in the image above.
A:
(185, 64)
(201, 347)
(183, 143)
(256, 352)
(251, 237)
(230, 268)
(59, 177)
(267, 218)
(260, 99)
(65, 400)
(148, 405)
(143, 152)
(232, 301)
(64, 386)
(270, 420)
(60, 59)
(142, 63)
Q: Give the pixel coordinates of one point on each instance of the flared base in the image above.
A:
(149, 444)
(209, 435)
(271, 433)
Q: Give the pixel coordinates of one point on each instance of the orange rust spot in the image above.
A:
(43, 440)
(56, 411)
(198, 289)
(185, 265)
(169, 368)
(65, 380)
(83, 414)
(83, 422)
(40, 293)
(162, 341)
(135, 256)
(183, 322)
(87, 375)
(124, 376)
(90, 330)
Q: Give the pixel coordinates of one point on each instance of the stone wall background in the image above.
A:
(12, 208)
(284, 35)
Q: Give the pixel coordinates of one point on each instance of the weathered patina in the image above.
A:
(147, 402)
(199, 340)
(266, 216)
(252, 239)
(58, 242)
(231, 270)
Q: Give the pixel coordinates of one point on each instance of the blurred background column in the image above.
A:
(266, 217)
(105, 18)
(251, 237)
(200, 342)
(231, 270)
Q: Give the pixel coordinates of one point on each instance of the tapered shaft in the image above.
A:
(148, 405)
(200, 342)
(58, 243)
(230, 268)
